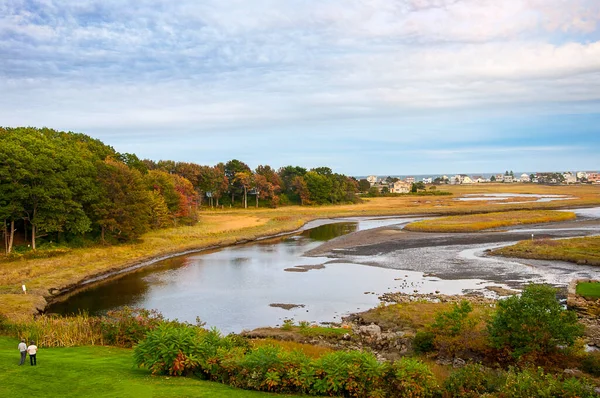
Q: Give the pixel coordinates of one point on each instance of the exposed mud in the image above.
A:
(392, 238)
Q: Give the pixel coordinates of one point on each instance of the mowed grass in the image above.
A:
(479, 222)
(589, 289)
(577, 250)
(228, 226)
(97, 372)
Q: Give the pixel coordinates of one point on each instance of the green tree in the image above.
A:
(493, 178)
(364, 185)
(125, 209)
(533, 323)
(319, 187)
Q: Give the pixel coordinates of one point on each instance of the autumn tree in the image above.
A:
(245, 180)
(231, 168)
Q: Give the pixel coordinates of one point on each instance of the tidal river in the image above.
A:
(234, 288)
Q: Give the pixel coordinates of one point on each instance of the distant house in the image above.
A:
(400, 187)
(478, 179)
(581, 175)
(499, 177)
(525, 177)
(569, 178)
(509, 178)
(372, 180)
(410, 180)
(465, 179)
(427, 180)
(593, 176)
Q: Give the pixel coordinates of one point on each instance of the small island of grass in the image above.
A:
(479, 222)
(589, 290)
(577, 250)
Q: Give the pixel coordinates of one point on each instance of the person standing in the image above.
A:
(32, 351)
(23, 350)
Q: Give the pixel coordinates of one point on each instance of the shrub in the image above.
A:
(412, 378)
(423, 342)
(591, 363)
(128, 326)
(473, 380)
(456, 330)
(536, 383)
(351, 373)
(533, 324)
(169, 349)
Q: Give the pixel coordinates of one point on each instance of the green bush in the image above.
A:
(423, 342)
(535, 383)
(533, 324)
(349, 373)
(591, 363)
(412, 378)
(473, 380)
(170, 349)
(128, 326)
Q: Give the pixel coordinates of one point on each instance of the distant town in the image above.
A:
(399, 185)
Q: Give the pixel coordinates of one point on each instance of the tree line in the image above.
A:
(65, 186)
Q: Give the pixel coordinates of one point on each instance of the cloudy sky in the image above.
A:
(371, 86)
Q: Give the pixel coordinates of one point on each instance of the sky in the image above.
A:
(364, 87)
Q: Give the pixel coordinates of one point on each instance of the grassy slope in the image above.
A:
(226, 227)
(479, 222)
(578, 250)
(98, 372)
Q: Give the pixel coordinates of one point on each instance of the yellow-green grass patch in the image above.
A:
(589, 290)
(479, 222)
(577, 250)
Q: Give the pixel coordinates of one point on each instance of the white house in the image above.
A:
(427, 180)
(570, 178)
(509, 179)
(581, 175)
(372, 180)
(410, 180)
(525, 177)
(478, 179)
(400, 187)
(465, 179)
(499, 177)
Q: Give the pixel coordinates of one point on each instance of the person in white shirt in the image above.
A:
(32, 351)
(23, 350)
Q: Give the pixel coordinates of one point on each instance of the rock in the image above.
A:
(372, 330)
(347, 336)
(573, 372)
(444, 361)
(458, 363)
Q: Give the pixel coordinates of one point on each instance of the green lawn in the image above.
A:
(590, 290)
(97, 372)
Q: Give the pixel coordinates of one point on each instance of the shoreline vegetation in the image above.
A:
(585, 251)
(480, 222)
(47, 278)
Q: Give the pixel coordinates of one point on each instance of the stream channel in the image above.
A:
(233, 288)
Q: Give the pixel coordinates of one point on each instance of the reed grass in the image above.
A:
(58, 331)
(480, 222)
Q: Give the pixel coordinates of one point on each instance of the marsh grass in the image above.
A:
(479, 222)
(58, 331)
(577, 250)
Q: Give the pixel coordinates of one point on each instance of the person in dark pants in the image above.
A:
(23, 350)
(32, 351)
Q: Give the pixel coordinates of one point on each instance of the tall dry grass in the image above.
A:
(57, 331)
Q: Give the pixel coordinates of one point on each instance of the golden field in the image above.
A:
(480, 222)
(218, 228)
